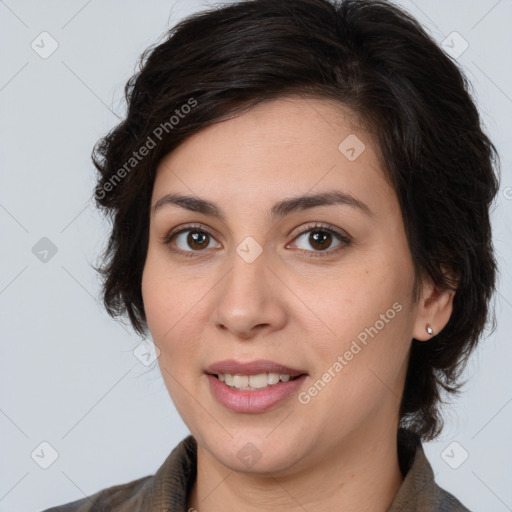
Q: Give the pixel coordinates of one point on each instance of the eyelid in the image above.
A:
(320, 226)
(187, 227)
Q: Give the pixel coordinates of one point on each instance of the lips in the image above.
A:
(256, 400)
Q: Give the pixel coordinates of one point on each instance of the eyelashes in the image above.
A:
(200, 237)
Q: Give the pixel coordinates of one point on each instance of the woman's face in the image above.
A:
(321, 288)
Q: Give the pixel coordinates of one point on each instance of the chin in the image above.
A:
(256, 452)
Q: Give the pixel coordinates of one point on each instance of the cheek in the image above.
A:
(173, 306)
(166, 297)
(357, 297)
(156, 297)
(166, 314)
(163, 314)
(369, 313)
(359, 378)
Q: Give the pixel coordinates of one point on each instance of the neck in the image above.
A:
(362, 475)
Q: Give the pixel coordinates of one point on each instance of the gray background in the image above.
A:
(68, 372)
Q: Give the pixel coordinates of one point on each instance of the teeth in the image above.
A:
(272, 378)
(249, 382)
(258, 381)
(240, 381)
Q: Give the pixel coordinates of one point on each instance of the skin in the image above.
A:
(338, 451)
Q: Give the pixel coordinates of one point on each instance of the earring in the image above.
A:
(429, 330)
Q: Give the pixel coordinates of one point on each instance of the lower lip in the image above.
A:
(253, 401)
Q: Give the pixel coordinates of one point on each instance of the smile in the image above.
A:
(255, 386)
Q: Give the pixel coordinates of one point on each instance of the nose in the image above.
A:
(250, 299)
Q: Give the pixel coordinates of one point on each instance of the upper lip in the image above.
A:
(234, 367)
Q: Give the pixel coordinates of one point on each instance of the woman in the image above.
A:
(300, 200)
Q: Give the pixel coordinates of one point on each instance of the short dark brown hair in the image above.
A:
(370, 56)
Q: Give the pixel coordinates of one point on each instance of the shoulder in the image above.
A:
(123, 497)
(170, 485)
(449, 503)
(419, 490)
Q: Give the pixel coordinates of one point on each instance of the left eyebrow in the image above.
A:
(334, 197)
(280, 209)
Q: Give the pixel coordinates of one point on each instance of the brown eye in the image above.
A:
(190, 240)
(319, 239)
(197, 239)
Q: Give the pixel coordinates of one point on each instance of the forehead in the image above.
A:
(282, 147)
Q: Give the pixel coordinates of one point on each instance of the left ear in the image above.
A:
(435, 307)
